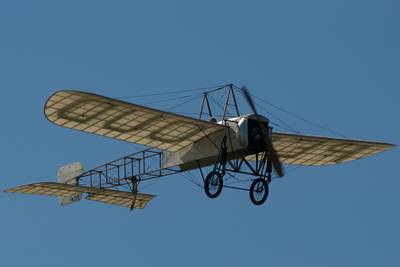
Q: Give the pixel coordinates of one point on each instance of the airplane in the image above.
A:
(243, 144)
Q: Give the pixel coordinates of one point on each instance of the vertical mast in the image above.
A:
(229, 101)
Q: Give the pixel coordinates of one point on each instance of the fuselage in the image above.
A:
(242, 135)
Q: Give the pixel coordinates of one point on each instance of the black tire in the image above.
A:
(213, 184)
(259, 191)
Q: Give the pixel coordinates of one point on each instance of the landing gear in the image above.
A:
(259, 190)
(260, 166)
(213, 184)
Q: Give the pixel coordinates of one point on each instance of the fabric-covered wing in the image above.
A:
(107, 196)
(314, 150)
(125, 121)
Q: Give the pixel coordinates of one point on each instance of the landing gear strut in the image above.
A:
(214, 181)
(259, 188)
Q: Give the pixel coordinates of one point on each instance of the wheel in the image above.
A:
(259, 190)
(213, 184)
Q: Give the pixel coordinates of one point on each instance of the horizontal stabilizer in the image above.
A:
(114, 197)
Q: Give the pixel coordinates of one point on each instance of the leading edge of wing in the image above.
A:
(367, 142)
(206, 123)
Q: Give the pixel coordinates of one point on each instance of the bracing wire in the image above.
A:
(293, 115)
(216, 102)
(189, 177)
(185, 102)
(167, 100)
(169, 92)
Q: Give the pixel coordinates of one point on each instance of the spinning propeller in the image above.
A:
(267, 141)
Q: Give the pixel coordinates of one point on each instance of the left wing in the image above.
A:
(315, 150)
(125, 121)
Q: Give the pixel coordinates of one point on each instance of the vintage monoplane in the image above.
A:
(243, 144)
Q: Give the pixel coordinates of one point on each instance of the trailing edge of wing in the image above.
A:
(125, 121)
(114, 197)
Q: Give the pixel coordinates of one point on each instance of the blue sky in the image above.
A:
(335, 63)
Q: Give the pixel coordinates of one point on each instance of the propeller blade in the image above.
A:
(268, 144)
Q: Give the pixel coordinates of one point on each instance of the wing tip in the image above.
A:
(51, 97)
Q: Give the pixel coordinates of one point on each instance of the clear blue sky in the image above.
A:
(333, 62)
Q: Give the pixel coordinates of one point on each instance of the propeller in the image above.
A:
(267, 141)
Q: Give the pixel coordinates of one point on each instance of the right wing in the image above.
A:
(125, 121)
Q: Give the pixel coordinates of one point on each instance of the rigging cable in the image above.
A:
(167, 100)
(189, 177)
(185, 102)
(211, 89)
(295, 115)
